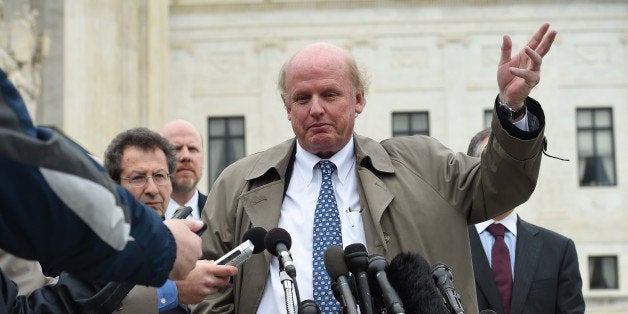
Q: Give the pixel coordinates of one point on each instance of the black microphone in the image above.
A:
(377, 274)
(308, 307)
(338, 272)
(357, 260)
(410, 275)
(252, 243)
(184, 213)
(443, 278)
(278, 242)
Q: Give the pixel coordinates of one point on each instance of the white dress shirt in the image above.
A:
(297, 217)
(510, 237)
(193, 202)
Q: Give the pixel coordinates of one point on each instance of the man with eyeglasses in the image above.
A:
(142, 161)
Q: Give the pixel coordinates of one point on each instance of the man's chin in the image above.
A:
(184, 185)
(321, 144)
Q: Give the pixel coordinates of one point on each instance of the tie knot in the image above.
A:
(327, 167)
(497, 230)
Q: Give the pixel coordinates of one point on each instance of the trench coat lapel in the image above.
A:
(263, 206)
(374, 194)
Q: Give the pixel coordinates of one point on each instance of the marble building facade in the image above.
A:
(94, 68)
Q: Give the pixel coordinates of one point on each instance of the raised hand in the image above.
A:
(518, 74)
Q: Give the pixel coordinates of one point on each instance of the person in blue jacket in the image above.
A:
(59, 207)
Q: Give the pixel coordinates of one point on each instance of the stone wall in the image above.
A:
(22, 49)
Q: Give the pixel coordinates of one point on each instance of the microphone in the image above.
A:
(442, 276)
(410, 275)
(184, 213)
(308, 307)
(253, 243)
(278, 242)
(337, 270)
(357, 260)
(487, 312)
(377, 273)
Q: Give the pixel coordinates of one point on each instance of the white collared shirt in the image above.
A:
(297, 217)
(510, 237)
(193, 202)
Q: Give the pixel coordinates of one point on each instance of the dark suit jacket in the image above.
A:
(547, 278)
(202, 198)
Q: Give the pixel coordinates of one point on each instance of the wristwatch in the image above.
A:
(511, 114)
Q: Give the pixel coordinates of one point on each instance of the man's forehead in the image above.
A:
(143, 161)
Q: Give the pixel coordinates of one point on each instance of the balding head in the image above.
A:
(333, 55)
(323, 93)
(177, 127)
(189, 144)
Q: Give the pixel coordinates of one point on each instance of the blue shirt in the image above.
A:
(510, 237)
(167, 296)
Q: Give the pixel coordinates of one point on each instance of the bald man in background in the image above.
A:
(189, 144)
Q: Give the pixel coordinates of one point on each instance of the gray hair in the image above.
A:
(142, 138)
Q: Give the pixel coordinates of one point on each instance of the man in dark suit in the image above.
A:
(543, 264)
(189, 144)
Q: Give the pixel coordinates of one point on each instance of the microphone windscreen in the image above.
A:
(410, 275)
(356, 258)
(334, 262)
(276, 236)
(377, 263)
(256, 236)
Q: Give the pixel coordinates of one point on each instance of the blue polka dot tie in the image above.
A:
(327, 232)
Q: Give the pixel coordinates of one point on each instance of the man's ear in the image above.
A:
(360, 102)
(287, 106)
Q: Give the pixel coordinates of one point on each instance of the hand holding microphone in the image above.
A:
(252, 243)
(207, 277)
(184, 213)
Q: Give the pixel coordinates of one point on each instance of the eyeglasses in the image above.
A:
(160, 178)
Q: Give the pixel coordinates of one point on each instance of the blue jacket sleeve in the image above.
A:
(59, 206)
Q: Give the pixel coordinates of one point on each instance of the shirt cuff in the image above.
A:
(523, 123)
(167, 296)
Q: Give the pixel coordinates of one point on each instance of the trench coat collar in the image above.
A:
(371, 159)
(369, 154)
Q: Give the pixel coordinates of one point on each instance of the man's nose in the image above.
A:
(317, 106)
(184, 154)
(150, 188)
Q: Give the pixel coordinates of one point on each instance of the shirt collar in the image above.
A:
(192, 202)
(344, 160)
(510, 222)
